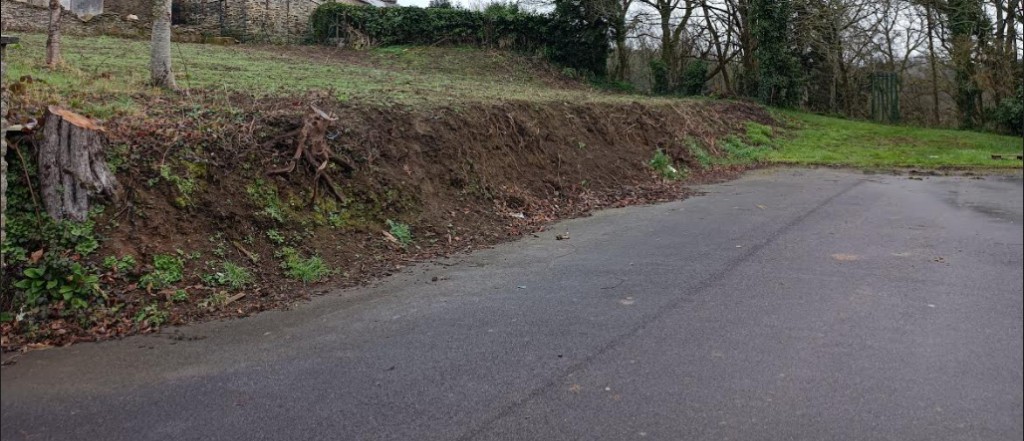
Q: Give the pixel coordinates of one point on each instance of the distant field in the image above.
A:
(829, 141)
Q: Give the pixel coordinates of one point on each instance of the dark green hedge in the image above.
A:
(501, 26)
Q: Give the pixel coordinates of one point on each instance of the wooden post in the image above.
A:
(71, 165)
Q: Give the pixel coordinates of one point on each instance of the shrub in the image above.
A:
(659, 73)
(1010, 113)
(694, 77)
(59, 280)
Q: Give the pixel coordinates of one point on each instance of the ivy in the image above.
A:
(777, 68)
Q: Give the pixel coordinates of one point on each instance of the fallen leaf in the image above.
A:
(845, 257)
(35, 256)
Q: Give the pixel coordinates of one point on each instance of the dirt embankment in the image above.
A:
(459, 176)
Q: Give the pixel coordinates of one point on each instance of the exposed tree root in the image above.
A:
(311, 146)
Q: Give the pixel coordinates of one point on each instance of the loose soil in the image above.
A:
(461, 176)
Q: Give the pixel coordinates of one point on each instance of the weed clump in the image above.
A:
(265, 197)
(400, 231)
(662, 165)
(305, 270)
(167, 270)
(231, 275)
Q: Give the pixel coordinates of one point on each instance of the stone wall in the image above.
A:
(281, 21)
(80, 8)
(276, 19)
(246, 20)
(19, 16)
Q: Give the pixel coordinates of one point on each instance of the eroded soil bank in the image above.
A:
(208, 192)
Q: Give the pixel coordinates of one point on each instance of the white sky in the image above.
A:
(423, 3)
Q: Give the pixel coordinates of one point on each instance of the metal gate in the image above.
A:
(885, 97)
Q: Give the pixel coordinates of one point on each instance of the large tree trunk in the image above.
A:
(3, 151)
(622, 50)
(160, 48)
(72, 166)
(53, 35)
(937, 120)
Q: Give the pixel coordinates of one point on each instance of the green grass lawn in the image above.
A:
(821, 140)
(104, 76)
(115, 67)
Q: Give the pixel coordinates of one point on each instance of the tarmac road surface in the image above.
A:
(786, 305)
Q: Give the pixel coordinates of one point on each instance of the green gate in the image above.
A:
(885, 97)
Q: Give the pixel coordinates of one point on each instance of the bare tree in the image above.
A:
(160, 72)
(53, 35)
(671, 26)
(621, 27)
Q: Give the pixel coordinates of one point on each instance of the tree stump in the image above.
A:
(72, 166)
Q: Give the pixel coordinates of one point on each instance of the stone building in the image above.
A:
(245, 20)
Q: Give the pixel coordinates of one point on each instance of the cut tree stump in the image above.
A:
(72, 166)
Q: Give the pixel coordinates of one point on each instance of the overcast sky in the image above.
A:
(423, 3)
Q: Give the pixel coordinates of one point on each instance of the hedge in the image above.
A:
(500, 26)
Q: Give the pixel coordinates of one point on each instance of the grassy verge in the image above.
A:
(102, 74)
(821, 140)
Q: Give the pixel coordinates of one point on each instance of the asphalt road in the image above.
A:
(787, 305)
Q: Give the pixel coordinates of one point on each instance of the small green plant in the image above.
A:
(185, 186)
(700, 154)
(306, 270)
(152, 316)
(220, 246)
(276, 237)
(231, 275)
(400, 231)
(264, 196)
(119, 265)
(179, 296)
(82, 235)
(167, 269)
(662, 164)
(72, 284)
(336, 220)
(213, 300)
